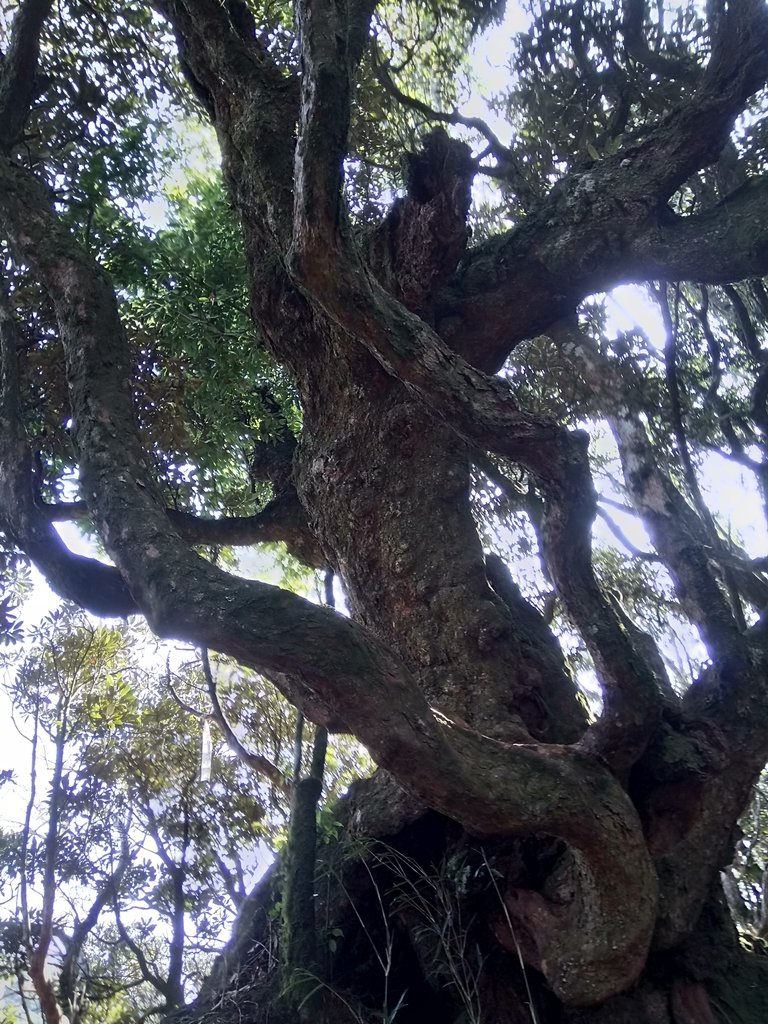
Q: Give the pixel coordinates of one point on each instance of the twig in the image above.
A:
(258, 762)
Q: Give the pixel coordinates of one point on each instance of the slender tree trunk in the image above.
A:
(301, 941)
(40, 971)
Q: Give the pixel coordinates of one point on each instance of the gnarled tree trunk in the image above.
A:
(594, 849)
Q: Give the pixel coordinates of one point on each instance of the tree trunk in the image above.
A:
(415, 921)
(512, 861)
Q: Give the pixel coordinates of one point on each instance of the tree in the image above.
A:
(125, 869)
(67, 693)
(366, 418)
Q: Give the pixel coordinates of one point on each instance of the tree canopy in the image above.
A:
(385, 337)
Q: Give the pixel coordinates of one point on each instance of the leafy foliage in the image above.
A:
(130, 757)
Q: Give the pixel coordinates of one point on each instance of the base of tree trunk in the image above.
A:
(408, 927)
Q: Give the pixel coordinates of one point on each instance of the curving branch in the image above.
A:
(608, 223)
(147, 973)
(675, 528)
(665, 65)
(97, 587)
(256, 762)
(734, 744)
(508, 166)
(550, 263)
(490, 787)
(106, 893)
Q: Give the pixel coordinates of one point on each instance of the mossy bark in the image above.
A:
(301, 968)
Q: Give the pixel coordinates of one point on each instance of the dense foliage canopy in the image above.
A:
(393, 341)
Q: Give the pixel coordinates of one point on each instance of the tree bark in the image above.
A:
(599, 845)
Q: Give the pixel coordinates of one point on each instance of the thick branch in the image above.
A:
(331, 38)
(598, 225)
(674, 527)
(726, 710)
(550, 264)
(251, 101)
(727, 707)
(281, 520)
(726, 243)
(490, 787)
(18, 69)
(91, 584)
(300, 936)
(632, 694)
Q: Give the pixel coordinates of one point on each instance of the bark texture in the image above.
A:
(599, 844)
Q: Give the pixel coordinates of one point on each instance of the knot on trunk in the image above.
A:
(418, 245)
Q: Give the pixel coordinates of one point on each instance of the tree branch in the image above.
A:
(681, 439)
(674, 527)
(107, 893)
(233, 882)
(508, 167)
(174, 981)
(18, 70)
(281, 520)
(623, 539)
(89, 583)
(331, 39)
(605, 224)
(730, 743)
(256, 762)
(43, 985)
(482, 411)
(492, 788)
(252, 101)
(636, 45)
(728, 242)
(147, 973)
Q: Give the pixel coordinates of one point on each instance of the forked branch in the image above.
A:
(319, 658)
(331, 38)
